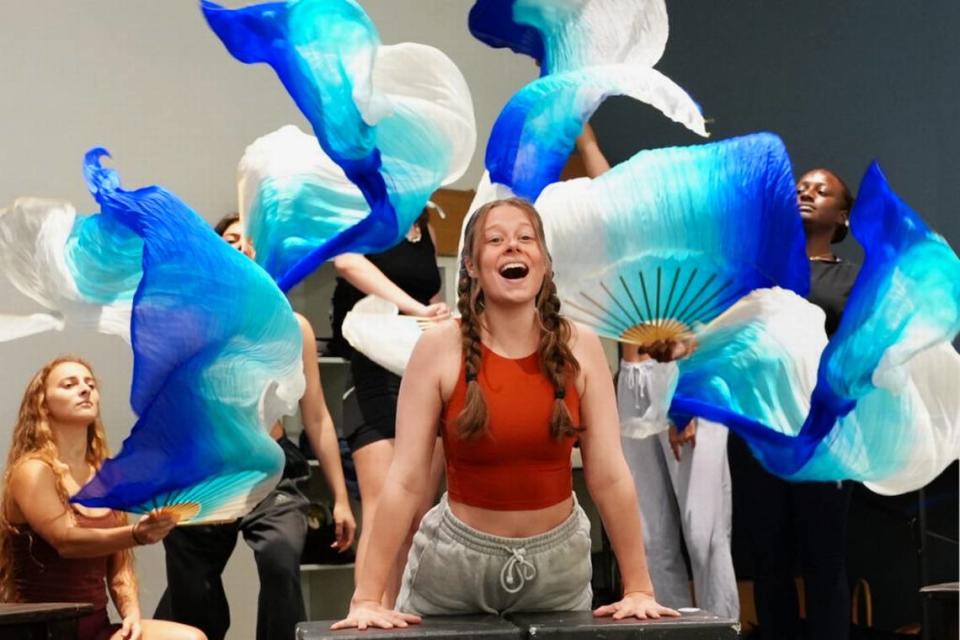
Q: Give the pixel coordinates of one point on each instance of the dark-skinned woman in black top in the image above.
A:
(803, 523)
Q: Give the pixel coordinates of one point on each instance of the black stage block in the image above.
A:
(41, 621)
(943, 603)
(581, 625)
(481, 627)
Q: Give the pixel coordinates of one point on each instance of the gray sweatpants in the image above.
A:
(456, 569)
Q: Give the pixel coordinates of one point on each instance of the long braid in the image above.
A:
(472, 421)
(556, 359)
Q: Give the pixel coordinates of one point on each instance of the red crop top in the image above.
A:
(517, 464)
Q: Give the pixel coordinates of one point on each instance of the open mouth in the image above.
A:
(514, 270)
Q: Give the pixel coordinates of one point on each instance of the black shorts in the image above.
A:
(370, 407)
(368, 421)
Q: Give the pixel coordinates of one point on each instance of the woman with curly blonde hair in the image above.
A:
(55, 551)
(511, 387)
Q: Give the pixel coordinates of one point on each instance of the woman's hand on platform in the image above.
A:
(370, 613)
(637, 604)
(345, 526)
(130, 627)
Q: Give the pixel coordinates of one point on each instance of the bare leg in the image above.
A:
(164, 630)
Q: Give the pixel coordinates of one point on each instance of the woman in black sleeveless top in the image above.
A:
(803, 523)
(406, 275)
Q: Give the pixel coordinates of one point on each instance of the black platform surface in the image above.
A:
(581, 625)
(482, 627)
(41, 621)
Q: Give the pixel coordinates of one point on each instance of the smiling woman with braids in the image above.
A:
(54, 551)
(511, 388)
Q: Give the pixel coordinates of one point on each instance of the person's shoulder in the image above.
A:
(582, 336)
(835, 270)
(32, 465)
(306, 329)
(31, 470)
(437, 352)
(848, 265)
(441, 335)
(847, 271)
(585, 344)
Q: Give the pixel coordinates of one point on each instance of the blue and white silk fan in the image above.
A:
(878, 403)
(587, 51)
(217, 359)
(393, 123)
(664, 242)
(82, 268)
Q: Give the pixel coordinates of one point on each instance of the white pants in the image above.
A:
(692, 498)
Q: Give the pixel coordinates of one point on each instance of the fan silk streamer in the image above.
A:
(587, 50)
(571, 34)
(83, 268)
(626, 261)
(879, 404)
(396, 122)
(293, 198)
(536, 131)
(374, 328)
(906, 299)
(217, 359)
(754, 370)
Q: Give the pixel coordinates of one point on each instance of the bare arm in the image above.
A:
(433, 238)
(318, 424)
(365, 276)
(605, 470)
(632, 353)
(594, 162)
(407, 483)
(34, 496)
(609, 481)
(122, 582)
(438, 296)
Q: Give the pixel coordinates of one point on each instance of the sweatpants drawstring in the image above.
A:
(517, 570)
